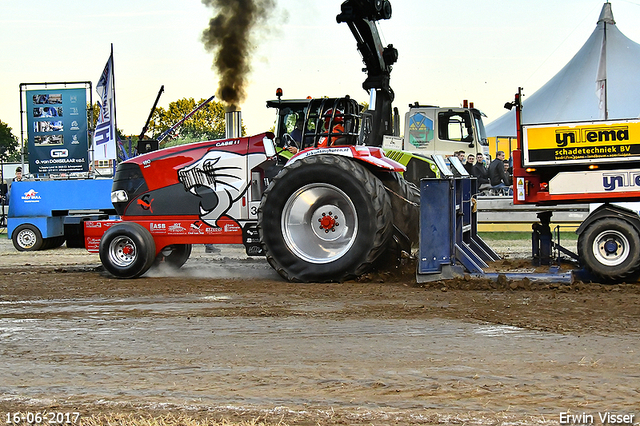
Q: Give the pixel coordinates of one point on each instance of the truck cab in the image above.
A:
(432, 130)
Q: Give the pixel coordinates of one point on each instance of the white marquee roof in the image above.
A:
(571, 94)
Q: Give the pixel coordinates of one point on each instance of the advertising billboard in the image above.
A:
(57, 130)
(581, 142)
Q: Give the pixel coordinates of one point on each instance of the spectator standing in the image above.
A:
(507, 172)
(18, 174)
(481, 172)
(497, 176)
(17, 178)
(469, 164)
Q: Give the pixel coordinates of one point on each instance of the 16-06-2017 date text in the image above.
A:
(41, 418)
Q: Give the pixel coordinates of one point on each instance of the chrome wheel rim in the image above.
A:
(122, 251)
(27, 238)
(319, 223)
(611, 248)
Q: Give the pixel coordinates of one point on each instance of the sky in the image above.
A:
(448, 51)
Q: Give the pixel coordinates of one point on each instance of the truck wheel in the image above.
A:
(174, 255)
(127, 250)
(324, 218)
(610, 249)
(27, 238)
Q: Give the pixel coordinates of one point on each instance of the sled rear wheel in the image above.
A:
(610, 249)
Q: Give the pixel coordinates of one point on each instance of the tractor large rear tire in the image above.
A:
(405, 201)
(609, 248)
(324, 218)
(127, 250)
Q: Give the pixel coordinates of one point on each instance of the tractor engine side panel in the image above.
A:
(208, 180)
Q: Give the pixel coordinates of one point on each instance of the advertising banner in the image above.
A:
(57, 130)
(578, 143)
(104, 140)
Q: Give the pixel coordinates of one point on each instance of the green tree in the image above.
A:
(9, 145)
(206, 124)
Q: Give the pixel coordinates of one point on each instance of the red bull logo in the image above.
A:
(31, 196)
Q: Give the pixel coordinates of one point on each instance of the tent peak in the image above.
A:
(606, 15)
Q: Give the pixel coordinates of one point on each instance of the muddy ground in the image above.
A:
(225, 337)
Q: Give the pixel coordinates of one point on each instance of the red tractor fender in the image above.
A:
(366, 154)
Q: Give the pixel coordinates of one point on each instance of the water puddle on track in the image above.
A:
(149, 349)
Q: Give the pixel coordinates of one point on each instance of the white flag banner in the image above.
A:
(104, 138)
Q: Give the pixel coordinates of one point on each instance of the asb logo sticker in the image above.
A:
(158, 228)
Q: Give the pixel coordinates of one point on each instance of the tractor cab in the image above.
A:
(290, 114)
(323, 122)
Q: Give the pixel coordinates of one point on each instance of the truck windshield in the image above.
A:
(482, 135)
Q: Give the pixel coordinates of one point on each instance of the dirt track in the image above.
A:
(226, 337)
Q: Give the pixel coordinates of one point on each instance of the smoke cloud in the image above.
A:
(229, 38)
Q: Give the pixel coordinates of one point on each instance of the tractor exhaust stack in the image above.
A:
(233, 124)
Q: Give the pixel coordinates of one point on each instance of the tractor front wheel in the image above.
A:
(127, 250)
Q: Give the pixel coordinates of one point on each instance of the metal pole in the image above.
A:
(3, 218)
(90, 130)
(113, 87)
(606, 107)
(153, 108)
(21, 128)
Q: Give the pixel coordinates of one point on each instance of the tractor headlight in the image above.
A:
(119, 196)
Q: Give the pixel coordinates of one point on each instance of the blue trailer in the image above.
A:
(45, 213)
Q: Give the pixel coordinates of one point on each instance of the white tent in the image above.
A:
(601, 81)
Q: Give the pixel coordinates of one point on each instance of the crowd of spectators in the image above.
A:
(495, 177)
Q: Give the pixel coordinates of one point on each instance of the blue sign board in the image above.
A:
(57, 131)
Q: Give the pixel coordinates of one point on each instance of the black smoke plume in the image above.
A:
(229, 38)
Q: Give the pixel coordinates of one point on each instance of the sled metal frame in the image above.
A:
(449, 242)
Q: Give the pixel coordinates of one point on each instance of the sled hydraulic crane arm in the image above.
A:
(361, 17)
